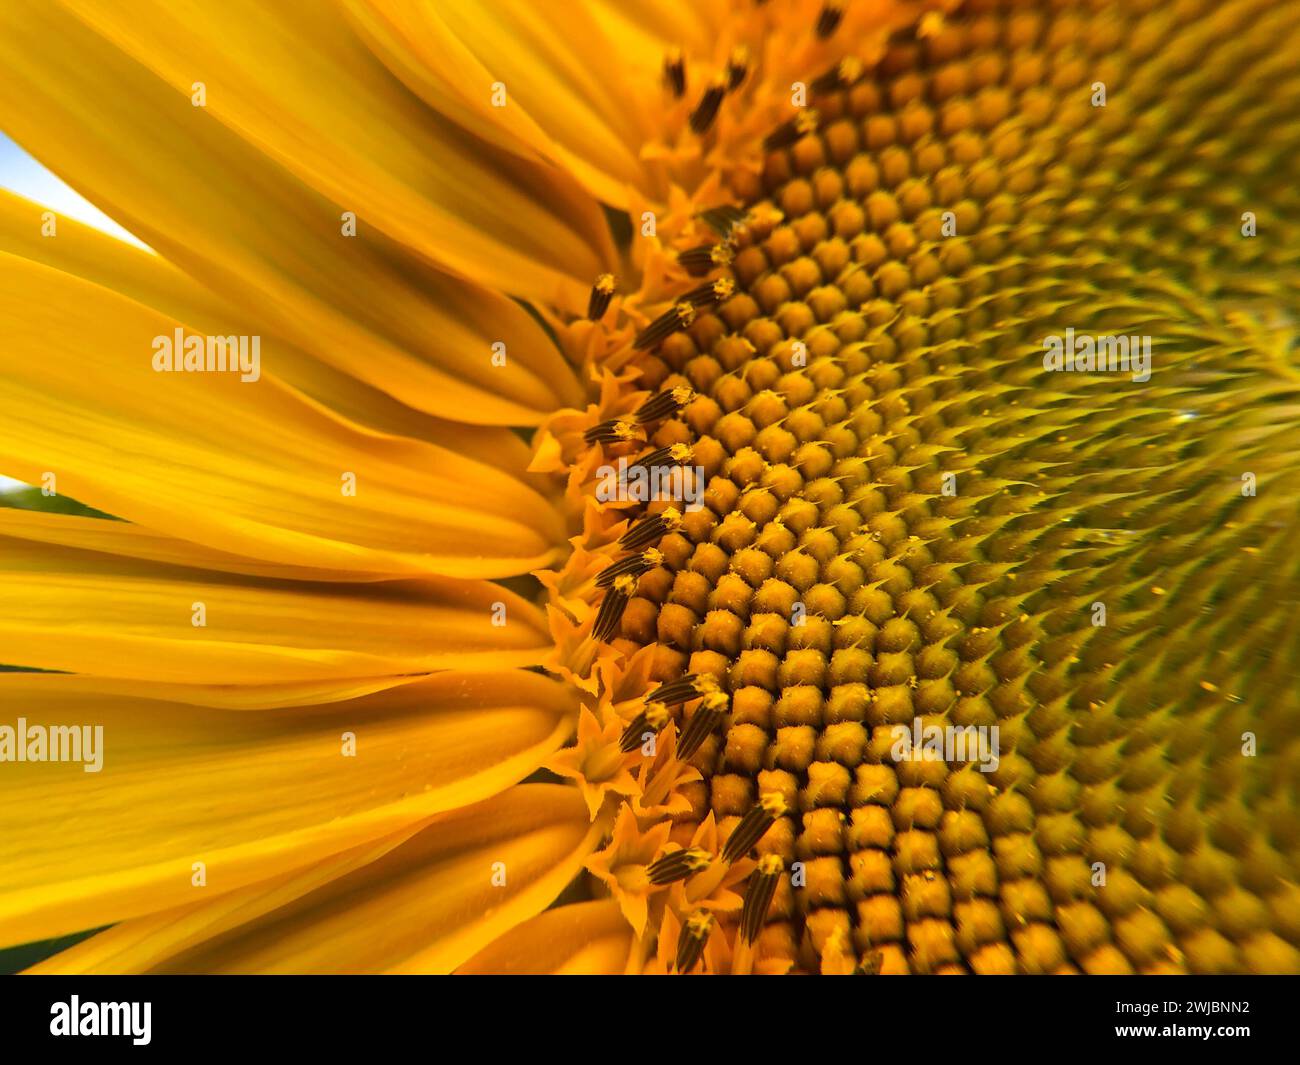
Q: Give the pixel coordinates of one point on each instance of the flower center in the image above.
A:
(962, 638)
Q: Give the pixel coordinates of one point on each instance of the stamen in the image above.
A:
(678, 691)
(841, 76)
(678, 865)
(613, 431)
(707, 109)
(718, 291)
(601, 293)
(651, 529)
(788, 133)
(678, 453)
(652, 719)
(633, 566)
(829, 19)
(680, 316)
(737, 67)
(612, 607)
(664, 404)
(702, 723)
(758, 897)
(675, 72)
(694, 936)
(753, 825)
(700, 260)
(722, 219)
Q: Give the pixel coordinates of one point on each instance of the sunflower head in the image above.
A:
(910, 391)
(915, 525)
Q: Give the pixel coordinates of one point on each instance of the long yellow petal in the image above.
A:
(238, 696)
(586, 938)
(93, 256)
(566, 100)
(428, 905)
(88, 612)
(248, 467)
(209, 198)
(137, 945)
(646, 29)
(135, 541)
(250, 796)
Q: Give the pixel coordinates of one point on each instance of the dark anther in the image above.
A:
(699, 261)
(690, 947)
(840, 76)
(612, 607)
(664, 404)
(675, 72)
(663, 456)
(737, 67)
(707, 109)
(708, 715)
(632, 566)
(829, 19)
(711, 292)
(678, 865)
(791, 132)
(722, 219)
(653, 718)
(758, 896)
(753, 826)
(613, 431)
(601, 293)
(680, 316)
(650, 530)
(683, 689)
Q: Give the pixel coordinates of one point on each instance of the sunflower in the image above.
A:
(728, 486)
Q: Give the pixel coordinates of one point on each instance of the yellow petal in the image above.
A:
(646, 29)
(587, 938)
(567, 99)
(427, 905)
(250, 796)
(135, 541)
(247, 194)
(248, 467)
(138, 945)
(87, 612)
(147, 278)
(239, 696)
